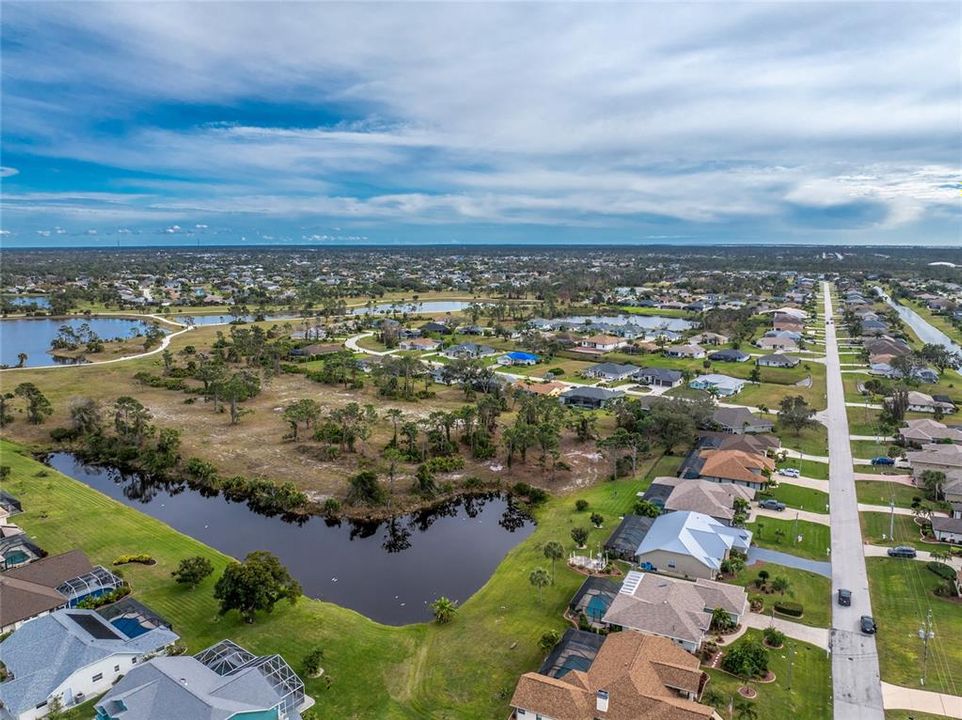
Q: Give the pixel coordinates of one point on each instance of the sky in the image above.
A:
(364, 123)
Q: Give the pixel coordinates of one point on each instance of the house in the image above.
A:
(920, 402)
(17, 550)
(708, 338)
(435, 327)
(679, 610)
(593, 599)
(590, 398)
(610, 371)
(48, 584)
(630, 676)
(944, 458)
(947, 529)
(690, 545)
(731, 466)
(659, 377)
(729, 355)
(777, 343)
(517, 357)
(224, 681)
(722, 385)
(716, 500)
(737, 420)
(72, 655)
(422, 344)
(468, 351)
(623, 543)
(553, 388)
(777, 360)
(685, 351)
(315, 350)
(604, 343)
(919, 432)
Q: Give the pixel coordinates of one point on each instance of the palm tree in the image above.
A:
(745, 710)
(780, 584)
(553, 551)
(444, 610)
(395, 416)
(540, 578)
(21, 359)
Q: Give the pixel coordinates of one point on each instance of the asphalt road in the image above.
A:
(857, 687)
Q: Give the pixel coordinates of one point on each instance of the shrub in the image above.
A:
(62, 434)
(789, 607)
(332, 506)
(312, 662)
(445, 463)
(774, 637)
(557, 371)
(579, 535)
(142, 558)
(581, 505)
(946, 572)
(748, 658)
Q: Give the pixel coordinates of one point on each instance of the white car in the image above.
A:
(789, 472)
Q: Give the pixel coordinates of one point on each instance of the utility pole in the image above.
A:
(926, 633)
(892, 520)
(791, 663)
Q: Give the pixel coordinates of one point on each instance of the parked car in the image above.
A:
(902, 551)
(789, 472)
(867, 625)
(771, 504)
(844, 597)
(882, 460)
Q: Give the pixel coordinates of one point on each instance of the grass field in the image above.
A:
(876, 524)
(813, 591)
(801, 498)
(809, 697)
(879, 492)
(867, 449)
(901, 597)
(815, 538)
(809, 468)
(811, 441)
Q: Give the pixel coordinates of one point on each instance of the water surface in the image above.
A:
(33, 335)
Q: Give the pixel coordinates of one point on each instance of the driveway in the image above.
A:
(813, 635)
(757, 554)
(789, 514)
(901, 698)
(923, 555)
(857, 686)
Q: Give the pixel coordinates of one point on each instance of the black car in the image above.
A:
(867, 625)
(902, 551)
(844, 597)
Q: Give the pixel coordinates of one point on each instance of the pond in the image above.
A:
(33, 335)
(227, 319)
(413, 308)
(388, 571)
(40, 301)
(649, 322)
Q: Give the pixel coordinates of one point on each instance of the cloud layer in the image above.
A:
(770, 121)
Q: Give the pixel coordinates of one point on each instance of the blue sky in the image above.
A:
(142, 122)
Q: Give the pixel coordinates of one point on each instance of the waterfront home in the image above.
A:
(223, 682)
(722, 385)
(623, 543)
(716, 500)
(605, 343)
(72, 655)
(708, 338)
(629, 676)
(690, 545)
(679, 610)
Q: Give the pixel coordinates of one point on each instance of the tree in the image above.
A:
(646, 508)
(444, 610)
(553, 550)
(192, 571)
(721, 621)
(305, 411)
(745, 710)
(747, 659)
(780, 584)
(794, 412)
(38, 406)
(86, 416)
(312, 662)
(755, 375)
(366, 490)
(256, 584)
(932, 481)
(579, 535)
(395, 416)
(597, 519)
(131, 420)
(236, 388)
(940, 356)
(540, 579)
(6, 417)
(548, 640)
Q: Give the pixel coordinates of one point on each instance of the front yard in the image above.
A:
(776, 534)
(813, 591)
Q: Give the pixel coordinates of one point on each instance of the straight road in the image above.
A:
(857, 686)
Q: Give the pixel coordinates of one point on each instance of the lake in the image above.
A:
(41, 301)
(649, 322)
(388, 571)
(33, 335)
(412, 308)
(927, 332)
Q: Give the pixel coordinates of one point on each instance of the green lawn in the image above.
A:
(815, 538)
(808, 698)
(876, 524)
(467, 669)
(911, 715)
(812, 440)
(801, 498)
(813, 591)
(809, 468)
(879, 492)
(868, 449)
(901, 597)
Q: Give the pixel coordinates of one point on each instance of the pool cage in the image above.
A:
(228, 658)
(95, 583)
(576, 651)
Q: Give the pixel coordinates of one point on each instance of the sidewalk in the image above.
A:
(896, 697)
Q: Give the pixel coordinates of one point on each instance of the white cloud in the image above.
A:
(8, 171)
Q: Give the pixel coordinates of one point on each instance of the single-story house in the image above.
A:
(43, 586)
(423, 344)
(603, 342)
(679, 610)
(723, 385)
(224, 681)
(947, 529)
(17, 550)
(690, 545)
(623, 543)
(738, 467)
(659, 377)
(610, 371)
(591, 398)
(717, 500)
(729, 355)
(777, 360)
(920, 432)
(516, 357)
(738, 420)
(920, 402)
(72, 655)
(435, 327)
(469, 351)
(708, 338)
(630, 676)
(945, 458)
(685, 351)
(776, 343)
(553, 388)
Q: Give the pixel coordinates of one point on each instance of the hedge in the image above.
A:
(788, 607)
(946, 572)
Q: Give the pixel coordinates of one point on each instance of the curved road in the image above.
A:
(857, 686)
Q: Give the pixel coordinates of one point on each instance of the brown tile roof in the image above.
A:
(542, 388)
(642, 674)
(708, 498)
(30, 590)
(735, 465)
(53, 570)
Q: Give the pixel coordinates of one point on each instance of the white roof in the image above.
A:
(696, 535)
